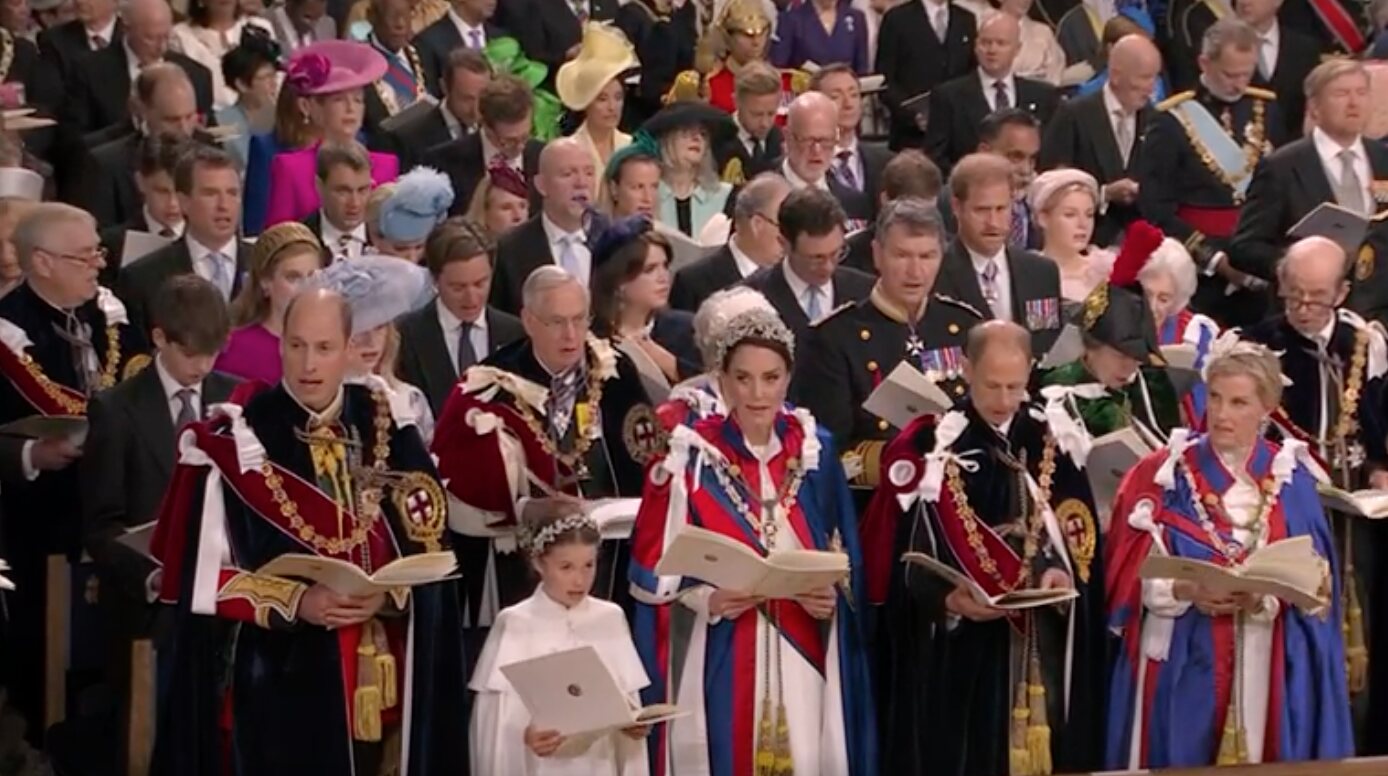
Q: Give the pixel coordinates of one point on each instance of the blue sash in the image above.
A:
(1205, 130)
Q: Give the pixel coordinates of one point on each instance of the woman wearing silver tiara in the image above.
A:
(772, 685)
(559, 616)
(1205, 676)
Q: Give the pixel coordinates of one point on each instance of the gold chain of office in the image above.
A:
(1036, 523)
(56, 393)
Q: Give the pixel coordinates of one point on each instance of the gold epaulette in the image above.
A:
(961, 304)
(1176, 99)
(135, 365)
(733, 172)
(831, 314)
(869, 456)
(799, 81)
(1262, 94)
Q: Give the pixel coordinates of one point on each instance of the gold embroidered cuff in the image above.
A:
(265, 595)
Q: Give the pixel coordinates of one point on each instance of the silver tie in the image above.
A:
(1350, 192)
(1124, 135)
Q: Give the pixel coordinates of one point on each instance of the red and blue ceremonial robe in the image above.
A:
(1188, 328)
(710, 665)
(1176, 674)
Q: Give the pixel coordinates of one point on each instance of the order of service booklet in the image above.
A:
(348, 579)
(1015, 600)
(728, 564)
(1291, 570)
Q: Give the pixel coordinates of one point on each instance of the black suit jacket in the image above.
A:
(64, 45)
(424, 359)
(1033, 277)
(1297, 55)
(518, 253)
(914, 61)
(43, 90)
(850, 285)
(958, 107)
(127, 462)
(99, 90)
(674, 331)
(108, 185)
(410, 140)
(731, 147)
(1080, 135)
(1287, 185)
(699, 280)
(875, 157)
(140, 281)
(547, 29)
(462, 161)
(435, 42)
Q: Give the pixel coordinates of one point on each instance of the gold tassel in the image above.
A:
(385, 667)
(366, 701)
(1233, 749)
(785, 763)
(766, 745)
(1038, 727)
(1356, 651)
(1019, 755)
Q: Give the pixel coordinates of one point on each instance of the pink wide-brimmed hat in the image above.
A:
(332, 66)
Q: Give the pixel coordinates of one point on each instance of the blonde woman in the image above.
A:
(1064, 203)
(500, 202)
(690, 192)
(283, 258)
(591, 85)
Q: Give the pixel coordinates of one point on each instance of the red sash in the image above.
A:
(40, 391)
(319, 513)
(1341, 25)
(1008, 563)
(1284, 423)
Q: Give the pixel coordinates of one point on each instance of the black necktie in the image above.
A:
(467, 354)
(758, 149)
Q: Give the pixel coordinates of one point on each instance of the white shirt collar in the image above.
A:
(172, 386)
(1111, 102)
(489, 151)
(332, 235)
(988, 89)
(1006, 427)
(932, 8)
(450, 323)
(745, 264)
(464, 28)
(979, 260)
(796, 182)
(329, 414)
(798, 287)
(1329, 150)
(455, 127)
(553, 232)
(155, 226)
(106, 32)
(1329, 330)
(1273, 36)
(197, 251)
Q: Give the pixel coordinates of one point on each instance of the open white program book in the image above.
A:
(347, 579)
(574, 693)
(728, 564)
(1029, 598)
(905, 395)
(1291, 570)
(1111, 457)
(1180, 356)
(1372, 504)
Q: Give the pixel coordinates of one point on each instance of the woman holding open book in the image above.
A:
(1217, 676)
(560, 616)
(771, 684)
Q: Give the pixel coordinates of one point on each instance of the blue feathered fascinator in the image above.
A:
(616, 235)
(378, 288)
(420, 202)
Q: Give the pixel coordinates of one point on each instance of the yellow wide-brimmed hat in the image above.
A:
(605, 54)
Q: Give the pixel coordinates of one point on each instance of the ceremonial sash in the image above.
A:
(1341, 25)
(1284, 423)
(41, 392)
(400, 79)
(970, 548)
(295, 507)
(1206, 130)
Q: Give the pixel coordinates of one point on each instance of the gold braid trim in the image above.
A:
(266, 594)
(1253, 147)
(70, 405)
(1036, 522)
(380, 452)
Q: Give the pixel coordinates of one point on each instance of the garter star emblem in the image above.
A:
(420, 501)
(1077, 523)
(642, 435)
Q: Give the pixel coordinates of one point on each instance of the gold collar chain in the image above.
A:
(1036, 522)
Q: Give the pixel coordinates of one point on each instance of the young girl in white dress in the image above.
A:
(559, 616)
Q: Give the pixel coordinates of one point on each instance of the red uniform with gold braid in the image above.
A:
(500, 440)
(744, 18)
(282, 696)
(720, 86)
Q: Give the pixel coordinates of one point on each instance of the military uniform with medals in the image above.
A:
(509, 434)
(1000, 506)
(51, 361)
(1198, 158)
(850, 351)
(349, 484)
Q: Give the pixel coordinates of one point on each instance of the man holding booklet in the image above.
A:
(994, 660)
(1212, 671)
(359, 672)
